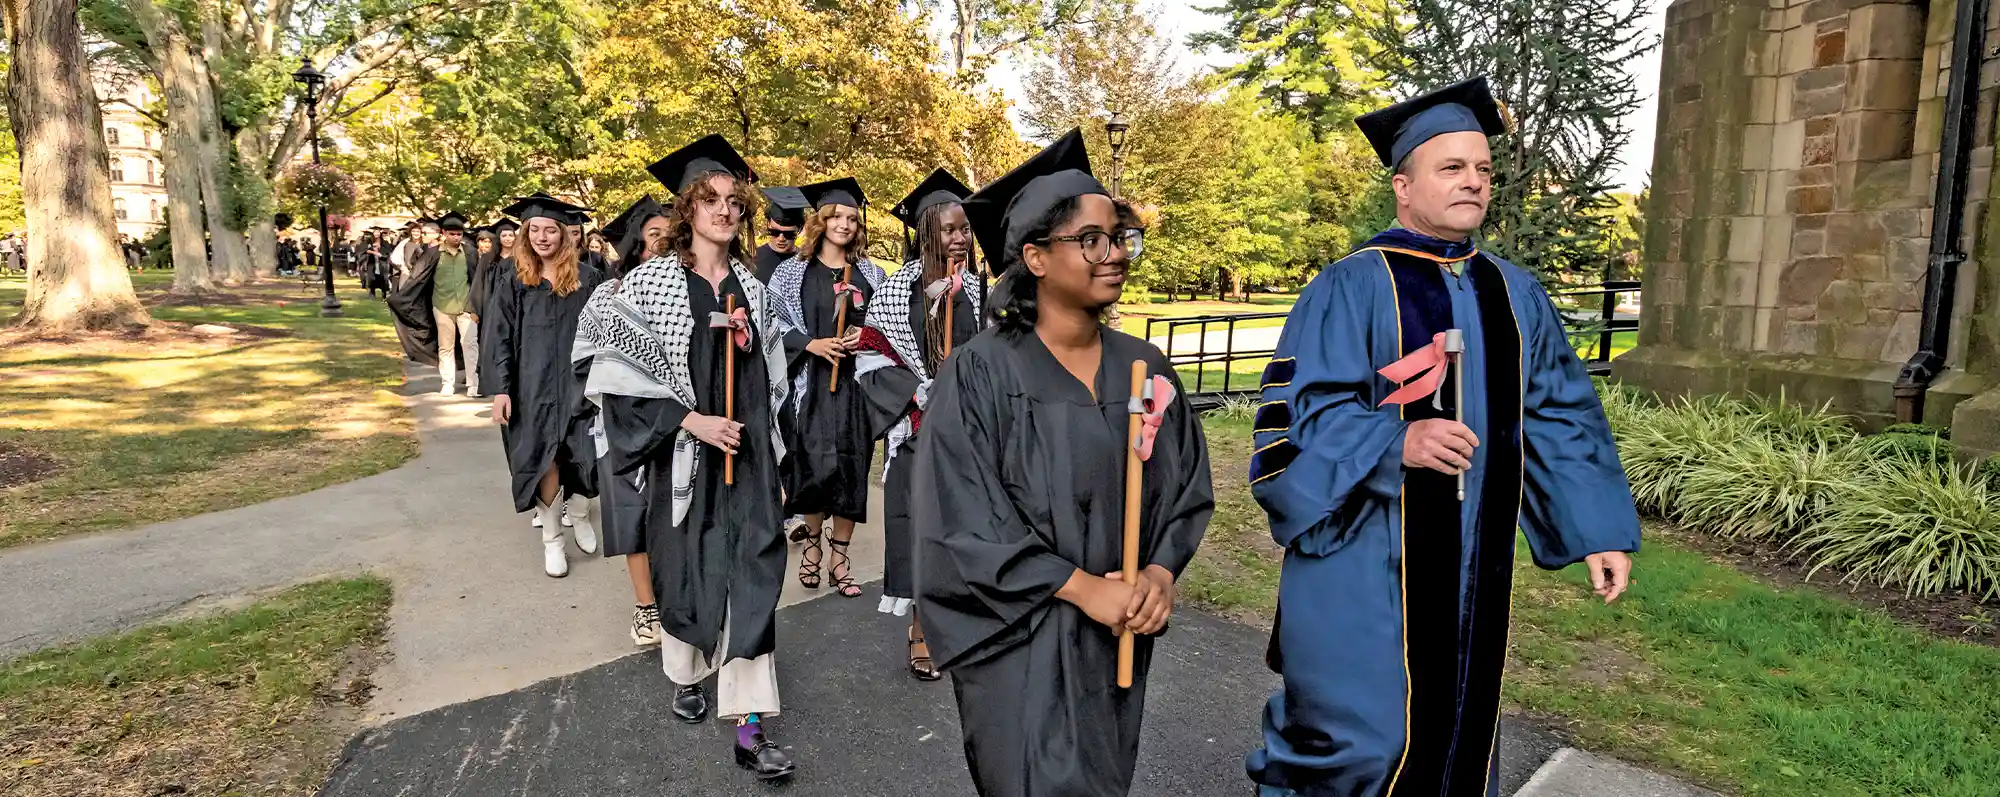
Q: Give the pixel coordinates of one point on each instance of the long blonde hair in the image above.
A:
(815, 233)
(528, 264)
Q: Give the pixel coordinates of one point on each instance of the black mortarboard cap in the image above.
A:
(451, 221)
(785, 205)
(1399, 129)
(838, 191)
(1003, 212)
(578, 217)
(937, 189)
(635, 216)
(710, 154)
(540, 205)
(504, 225)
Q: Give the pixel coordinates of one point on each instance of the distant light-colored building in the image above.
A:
(138, 183)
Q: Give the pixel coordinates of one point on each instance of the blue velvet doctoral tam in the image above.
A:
(1391, 644)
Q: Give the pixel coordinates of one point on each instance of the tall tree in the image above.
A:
(76, 276)
(1321, 60)
(1564, 69)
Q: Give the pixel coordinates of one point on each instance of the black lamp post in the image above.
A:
(312, 79)
(1114, 128)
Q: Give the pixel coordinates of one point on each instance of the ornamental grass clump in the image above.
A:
(1765, 487)
(1907, 523)
(1660, 447)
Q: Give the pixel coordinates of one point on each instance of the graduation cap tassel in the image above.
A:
(1135, 411)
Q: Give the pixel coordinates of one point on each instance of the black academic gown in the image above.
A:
(828, 438)
(527, 358)
(410, 305)
(768, 261)
(727, 557)
(1019, 483)
(891, 396)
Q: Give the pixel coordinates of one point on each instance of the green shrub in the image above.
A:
(1916, 448)
(1237, 408)
(1990, 469)
(1764, 487)
(1622, 402)
(1919, 428)
(1926, 528)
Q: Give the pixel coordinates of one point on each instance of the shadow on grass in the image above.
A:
(152, 433)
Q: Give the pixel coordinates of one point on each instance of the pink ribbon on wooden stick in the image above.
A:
(1420, 373)
(853, 295)
(1150, 403)
(941, 288)
(738, 323)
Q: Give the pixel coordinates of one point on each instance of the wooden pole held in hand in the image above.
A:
(950, 301)
(1135, 410)
(729, 386)
(840, 321)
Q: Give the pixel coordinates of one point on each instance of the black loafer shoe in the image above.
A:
(690, 704)
(765, 759)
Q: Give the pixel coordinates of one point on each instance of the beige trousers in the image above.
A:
(742, 686)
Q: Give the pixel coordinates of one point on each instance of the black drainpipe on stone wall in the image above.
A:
(1948, 212)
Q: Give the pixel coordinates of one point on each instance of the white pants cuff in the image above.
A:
(742, 686)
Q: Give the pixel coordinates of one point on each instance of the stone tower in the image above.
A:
(1790, 218)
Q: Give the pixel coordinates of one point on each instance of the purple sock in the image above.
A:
(746, 732)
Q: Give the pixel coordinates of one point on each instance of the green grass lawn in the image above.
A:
(1701, 669)
(177, 424)
(239, 703)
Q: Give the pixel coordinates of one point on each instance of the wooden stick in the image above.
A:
(729, 386)
(949, 303)
(1133, 473)
(840, 323)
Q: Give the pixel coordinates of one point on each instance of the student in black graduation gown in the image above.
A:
(784, 214)
(410, 296)
(827, 431)
(532, 317)
(904, 343)
(663, 338)
(622, 497)
(1018, 496)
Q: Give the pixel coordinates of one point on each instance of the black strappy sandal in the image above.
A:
(809, 563)
(841, 574)
(921, 667)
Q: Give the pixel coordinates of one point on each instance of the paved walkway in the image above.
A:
(473, 614)
(503, 681)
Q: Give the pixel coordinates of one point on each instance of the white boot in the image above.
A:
(580, 526)
(535, 518)
(555, 560)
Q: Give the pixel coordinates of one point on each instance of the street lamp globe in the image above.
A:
(1115, 128)
(311, 78)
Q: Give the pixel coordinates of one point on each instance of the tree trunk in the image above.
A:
(967, 24)
(76, 274)
(180, 154)
(252, 147)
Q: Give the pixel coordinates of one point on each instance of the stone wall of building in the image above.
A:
(1791, 203)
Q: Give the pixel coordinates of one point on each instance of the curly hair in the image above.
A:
(815, 232)
(528, 265)
(681, 237)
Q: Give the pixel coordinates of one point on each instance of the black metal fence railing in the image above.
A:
(1604, 327)
(1208, 346)
(1208, 350)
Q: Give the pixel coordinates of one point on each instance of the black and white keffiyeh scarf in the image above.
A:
(787, 285)
(638, 331)
(889, 314)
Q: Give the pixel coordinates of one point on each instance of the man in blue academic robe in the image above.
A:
(1393, 604)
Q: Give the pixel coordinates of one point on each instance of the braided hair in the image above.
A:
(936, 265)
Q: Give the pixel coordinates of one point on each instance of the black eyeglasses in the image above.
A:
(1097, 245)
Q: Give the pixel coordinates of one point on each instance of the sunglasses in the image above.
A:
(777, 233)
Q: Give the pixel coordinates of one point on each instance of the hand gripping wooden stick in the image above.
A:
(1135, 411)
(1454, 348)
(840, 321)
(729, 386)
(949, 303)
